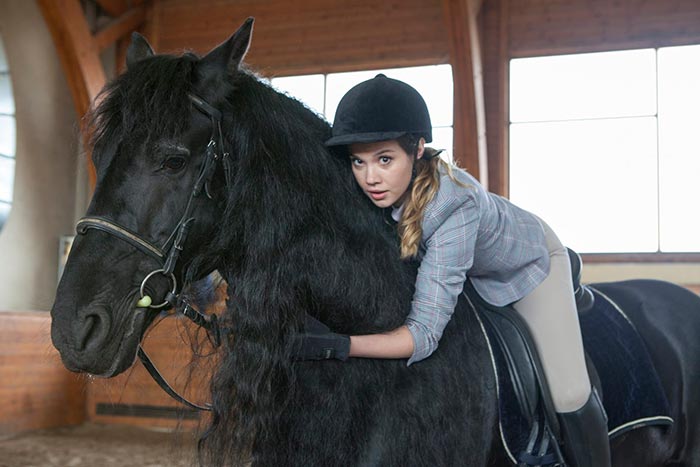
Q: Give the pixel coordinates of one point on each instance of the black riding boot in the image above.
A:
(585, 435)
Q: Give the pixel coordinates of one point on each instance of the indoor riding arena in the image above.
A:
(583, 112)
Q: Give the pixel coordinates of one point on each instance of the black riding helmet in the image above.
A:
(380, 109)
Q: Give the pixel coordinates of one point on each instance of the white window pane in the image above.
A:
(7, 103)
(7, 135)
(308, 89)
(597, 85)
(4, 213)
(7, 176)
(442, 139)
(434, 83)
(679, 147)
(594, 181)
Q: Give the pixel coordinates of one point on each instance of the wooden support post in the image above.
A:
(79, 50)
(469, 115)
(79, 55)
(494, 27)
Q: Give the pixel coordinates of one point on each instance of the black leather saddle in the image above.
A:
(508, 331)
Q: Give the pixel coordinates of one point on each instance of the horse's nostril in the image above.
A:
(92, 330)
(85, 331)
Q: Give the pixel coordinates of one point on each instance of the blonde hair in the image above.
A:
(425, 185)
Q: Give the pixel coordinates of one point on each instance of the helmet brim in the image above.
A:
(343, 140)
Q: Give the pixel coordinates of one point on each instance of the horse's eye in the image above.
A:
(173, 163)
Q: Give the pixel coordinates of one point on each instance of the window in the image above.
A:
(7, 138)
(322, 93)
(603, 147)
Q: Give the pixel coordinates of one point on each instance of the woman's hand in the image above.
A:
(318, 342)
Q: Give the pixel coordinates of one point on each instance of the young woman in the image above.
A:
(458, 230)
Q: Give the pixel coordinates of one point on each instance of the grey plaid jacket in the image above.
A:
(471, 232)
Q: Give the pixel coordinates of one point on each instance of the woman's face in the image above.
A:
(383, 170)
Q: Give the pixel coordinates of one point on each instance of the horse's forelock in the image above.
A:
(146, 103)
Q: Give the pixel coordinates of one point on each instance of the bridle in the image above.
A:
(169, 253)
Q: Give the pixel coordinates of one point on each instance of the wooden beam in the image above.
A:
(120, 27)
(79, 54)
(501, 177)
(493, 20)
(77, 50)
(114, 8)
(469, 115)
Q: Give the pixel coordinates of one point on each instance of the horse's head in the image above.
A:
(161, 173)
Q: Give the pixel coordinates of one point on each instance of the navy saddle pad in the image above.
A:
(632, 393)
(631, 390)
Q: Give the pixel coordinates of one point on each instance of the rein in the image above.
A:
(169, 253)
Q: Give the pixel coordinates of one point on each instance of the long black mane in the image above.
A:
(297, 237)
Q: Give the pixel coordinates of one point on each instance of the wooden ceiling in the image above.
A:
(312, 36)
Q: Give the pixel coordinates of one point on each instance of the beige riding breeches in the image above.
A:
(550, 313)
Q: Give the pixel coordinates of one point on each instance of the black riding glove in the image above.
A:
(317, 342)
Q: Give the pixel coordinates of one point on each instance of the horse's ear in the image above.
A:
(230, 54)
(138, 49)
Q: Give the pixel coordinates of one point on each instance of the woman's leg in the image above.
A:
(550, 313)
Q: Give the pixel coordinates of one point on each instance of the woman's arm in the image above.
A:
(441, 275)
(393, 344)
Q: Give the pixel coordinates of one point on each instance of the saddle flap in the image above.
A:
(508, 337)
(515, 344)
(528, 421)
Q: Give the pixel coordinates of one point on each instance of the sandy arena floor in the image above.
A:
(92, 445)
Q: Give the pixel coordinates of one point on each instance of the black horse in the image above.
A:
(281, 218)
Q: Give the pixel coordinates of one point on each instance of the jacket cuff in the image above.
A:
(420, 341)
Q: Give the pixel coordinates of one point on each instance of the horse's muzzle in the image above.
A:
(95, 342)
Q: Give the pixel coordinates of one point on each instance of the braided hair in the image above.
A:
(425, 184)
